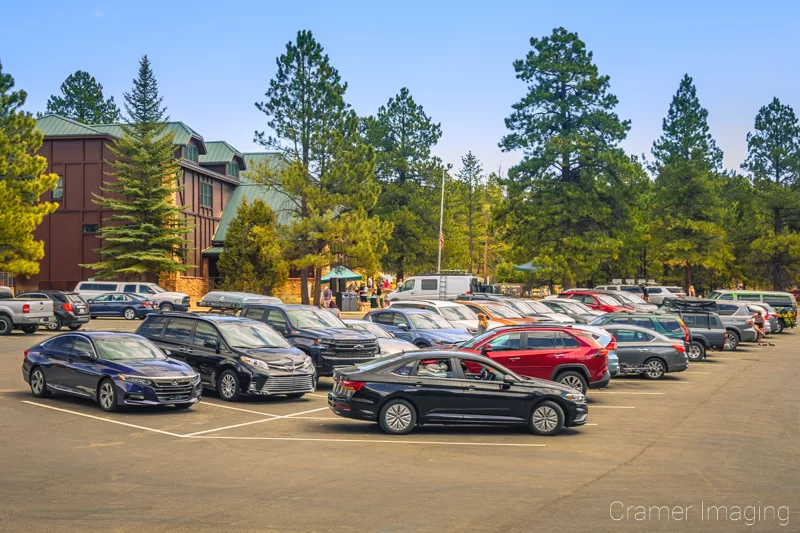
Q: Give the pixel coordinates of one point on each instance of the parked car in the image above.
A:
(525, 308)
(631, 289)
(607, 341)
(420, 388)
(318, 333)
(596, 300)
(783, 302)
(657, 293)
(388, 343)
(113, 369)
(164, 300)
(631, 300)
(705, 325)
(573, 309)
(69, 308)
(569, 355)
(668, 325)
(128, 306)
(459, 315)
(420, 327)
(234, 356)
(435, 287)
(736, 317)
(26, 314)
(497, 312)
(643, 351)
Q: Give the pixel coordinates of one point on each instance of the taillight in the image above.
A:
(680, 347)
(26, 308)
(774, 315)
(685, 329)
(347, 384)
(26, 352)
(68, 308)
(602, 352)
(612, 345)
(750, 322)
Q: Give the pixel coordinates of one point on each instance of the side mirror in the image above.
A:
(486, 349)
(404, 327)
(85, 356)
(214, 345)
(167, 352)
(509, 380)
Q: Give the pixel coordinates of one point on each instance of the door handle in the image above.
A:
(513, 358)
(559, 355)
(418, 384)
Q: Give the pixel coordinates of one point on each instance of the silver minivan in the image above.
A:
(166, 301)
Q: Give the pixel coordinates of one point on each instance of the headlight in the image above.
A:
(575, 397)
(308, 362)
(258, 363)
(439, 342)
(178, 300)
(196, 379)
(135, 380)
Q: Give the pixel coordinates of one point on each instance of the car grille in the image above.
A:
(185, 300)
(352, 349)
(179, 389)
(284, 384)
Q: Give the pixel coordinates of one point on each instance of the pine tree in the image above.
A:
(22, 183)
(146, 235)
(252, 260)
(687, 204)
(82, 100)
(470, 176)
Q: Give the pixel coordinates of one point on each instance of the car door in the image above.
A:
(540, 355)
(589, 301)
(177, 338)
(630, 347)
(100, 305)
(488, 398)
(56, 352)
(436, 391)
(276, 319)
(205, 352)
(402, 329)
(506, 349)
(83, 374)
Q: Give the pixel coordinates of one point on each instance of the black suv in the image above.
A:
(69, 308)
(318, 333)
(234, 356)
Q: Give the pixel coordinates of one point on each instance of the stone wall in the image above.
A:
(196, 288)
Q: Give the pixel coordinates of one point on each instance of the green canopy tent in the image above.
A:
(340, 272)
(526, 267)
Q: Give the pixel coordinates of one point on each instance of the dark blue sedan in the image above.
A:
(418, 326)
(114, 369)
(122, 304)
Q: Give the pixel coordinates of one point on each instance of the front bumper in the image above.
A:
(135, 394)
(284, 383)
(602, 382)
(578, 416)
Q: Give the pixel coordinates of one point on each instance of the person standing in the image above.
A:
(327, 296)
(645, 296)
(483, 323)
(692, 293)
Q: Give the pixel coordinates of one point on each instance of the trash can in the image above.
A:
(373, 302)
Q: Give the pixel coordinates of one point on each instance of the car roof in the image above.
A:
(285, 306)
(406, 311)
(209, 316)
(95, 334)
(435, 303)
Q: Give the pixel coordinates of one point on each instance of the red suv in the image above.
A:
(558, 353)
(596, 300)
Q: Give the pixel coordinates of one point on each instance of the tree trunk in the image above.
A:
(304, 286)
(317, 285)
(777, 259)
(689, 275)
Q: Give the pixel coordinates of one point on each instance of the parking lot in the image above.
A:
(723, 433)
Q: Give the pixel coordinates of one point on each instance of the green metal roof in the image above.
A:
(221, 152)
(58, 126)
(212, 251)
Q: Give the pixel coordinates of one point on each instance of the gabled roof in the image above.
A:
(58, 126)
(220, 152)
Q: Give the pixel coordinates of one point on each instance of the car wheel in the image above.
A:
(779, 327)
(5, 325)
(398, 417)
(696, 352)
(54, 325)
(107, 396)
(38, 383)
(228, 386)
(295, 395)
(731, 341)
(573, 379)
(182, 405)
(166, 307)
(30, 330)
(654, 368)
(129, 313)
(547, 418)
(75, 327)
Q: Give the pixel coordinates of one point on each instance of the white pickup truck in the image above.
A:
(25, 314)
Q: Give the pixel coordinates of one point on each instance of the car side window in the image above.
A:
(509, 341)
(435, 368)
(205, 333)
(406, 369)
(726, 310)
(541, 340)
(129, 288)
(643, 323)
(646, 336)
(399, 320)
(620, 320)
(726, 297)
(406, 286)
(750, 297)
(670, 324)
(475, 309)
(60, 344)
(689, 320)
(179, 330)
(255, 313)
(153, 326)
(383, 318)
(589, 300)
(276, 320)
(103, 298)
(144, 289)
(477, 370)
(81, 344)
(565, 340)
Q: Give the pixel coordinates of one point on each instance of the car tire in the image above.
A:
(731, 340)
(295, 395)
(397, 417)
(547, 418)
(54, 325)
(655, 368)
(696, 352)
(30, 330)
(228, 386)
(107, 396)
(573, 379)
(6, 325)
(75, 327)
(129, 313)
(182, 405)
(166, 307)
(780, 327)
(38, 383)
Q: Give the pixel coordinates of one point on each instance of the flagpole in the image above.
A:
(441, 221)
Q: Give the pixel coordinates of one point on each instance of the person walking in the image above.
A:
(483, 323)
(327, 296)
(645, 296)
(758, 325)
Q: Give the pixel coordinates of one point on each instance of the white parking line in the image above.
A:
(627, 392)
(316, 395)
(591, 424)
(693, 372)
(236, 408)
(254, 422)
(381, 441)
(612, 407)
(103, 419)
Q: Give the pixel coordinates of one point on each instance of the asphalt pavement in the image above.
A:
(681, 454)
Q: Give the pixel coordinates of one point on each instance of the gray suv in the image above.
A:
(738, 323)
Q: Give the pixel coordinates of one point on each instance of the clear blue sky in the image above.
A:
(213, 60)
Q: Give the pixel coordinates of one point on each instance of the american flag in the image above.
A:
(441, 240)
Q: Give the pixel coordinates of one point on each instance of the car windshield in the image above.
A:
(428, 321)
(574, 308)
(125, 348)
(75, 298)
(314, 319)
(251, 335)
(379, 361)
(458, 312)
(520, 307)
(156, 289)
(630, 298)
(538, 307)
(371, 328)
(502, 311)
(606, 300)
(474, 341)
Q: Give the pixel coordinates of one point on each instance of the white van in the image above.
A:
(435, 287)
(166, 301)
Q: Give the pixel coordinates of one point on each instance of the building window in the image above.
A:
(90, 228)
(233, 169)
(58, 192)
(206, 191)
(190, 152)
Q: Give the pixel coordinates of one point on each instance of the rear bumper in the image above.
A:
(69, 320)
(346, 408)
(602, 382)
(22, 320)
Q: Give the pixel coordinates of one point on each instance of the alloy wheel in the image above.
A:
(37, 382)
(730, 340)
(227, 386)
(655, 368)
(106, 395)
(130, 314)
(398, 417)
(167, 308)
(574, 382)
(545, 418)
(52, 325)
(694, 352)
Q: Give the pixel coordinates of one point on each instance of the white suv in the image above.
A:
(457, 314)
(166, 301)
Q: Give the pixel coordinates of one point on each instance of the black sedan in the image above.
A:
(403, 391)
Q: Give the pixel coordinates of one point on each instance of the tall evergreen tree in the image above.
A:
(146, 235)
(470, 175)
(563, 207)
(82, 99)
(410, 178)
(22, 183)
(329, 182)
(687, 204)
(773, 161)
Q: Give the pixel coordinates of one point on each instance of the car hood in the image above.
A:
(276, 355)
(162, 295)
(153, 368)
(340, 334)
(543, 383)
(392, 346)
(447, 335)
(560, 317)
